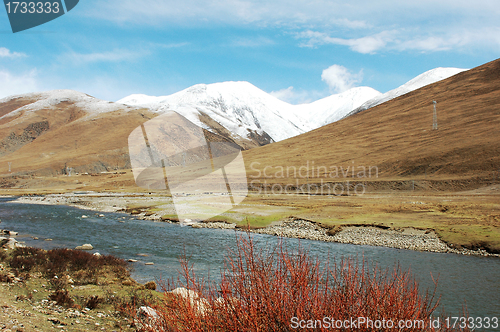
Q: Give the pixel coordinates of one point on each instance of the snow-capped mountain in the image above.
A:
(240, 107)
(56, 98)
(335, 107)
(244, 109)
(429, 77)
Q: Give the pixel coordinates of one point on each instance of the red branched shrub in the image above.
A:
(280, 290)
(62, 298)
(26, 258)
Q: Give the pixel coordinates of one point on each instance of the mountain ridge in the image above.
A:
(243, 108)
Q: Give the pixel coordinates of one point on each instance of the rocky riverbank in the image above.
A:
(403, 238)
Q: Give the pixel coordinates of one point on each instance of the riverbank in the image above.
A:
(152, 207)
(404, 238)
(67, 290)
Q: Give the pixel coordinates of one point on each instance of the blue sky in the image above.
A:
(299, 50)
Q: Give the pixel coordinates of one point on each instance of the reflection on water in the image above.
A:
(474, 280)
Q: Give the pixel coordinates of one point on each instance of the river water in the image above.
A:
(470, 280)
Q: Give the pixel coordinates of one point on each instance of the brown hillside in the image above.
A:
(47, 141)
(398, 139)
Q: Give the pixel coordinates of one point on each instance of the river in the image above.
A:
(470, 280)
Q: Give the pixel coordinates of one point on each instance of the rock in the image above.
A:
(150, 263)
(145, 318)
(11, 233)
(132, 260)
(48, 239)
(10, 243)
(184, 292)
(84, 216)
(86, 246)
(200, 304)
(97, 254)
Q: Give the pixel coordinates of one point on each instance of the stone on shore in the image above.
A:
(200, 304)
(10, 243)
(86, 246)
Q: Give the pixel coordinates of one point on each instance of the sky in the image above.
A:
(297, 50)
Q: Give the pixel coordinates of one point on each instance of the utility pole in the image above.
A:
(434, 118)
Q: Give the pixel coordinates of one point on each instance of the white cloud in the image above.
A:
(406, 40)
(6, 53)
(368, 44)
(365, 26)
(238, 12)
(110, 56)
(340, 79)
(11, 84)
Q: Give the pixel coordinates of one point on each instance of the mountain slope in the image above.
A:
(397, 140)
(335, 107)
(239, 107)
(243, 109)
(429, 77)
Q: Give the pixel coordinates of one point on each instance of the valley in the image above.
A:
(383, 167)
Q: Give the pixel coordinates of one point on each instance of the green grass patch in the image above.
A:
(471, 236)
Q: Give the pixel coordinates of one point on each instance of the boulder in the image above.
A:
(146, 318)
(10, 243)
(86, 246)
(200, 304)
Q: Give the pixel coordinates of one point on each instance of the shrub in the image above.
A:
(262, 290)
(3, 255)
(24, 260)
(151, 285)
(83, 265)
(92, 302)
(62, 298)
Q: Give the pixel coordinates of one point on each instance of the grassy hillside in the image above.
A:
(397, 137)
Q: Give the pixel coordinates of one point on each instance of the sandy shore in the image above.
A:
(404, 238)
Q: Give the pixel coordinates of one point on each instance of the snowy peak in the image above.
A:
(240, 107)
(335, 107)
(429, 77)
(54, 98)
(244, 109)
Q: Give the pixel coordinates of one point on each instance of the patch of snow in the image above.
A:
(239, 106)
(429, 77)
(50, 99)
